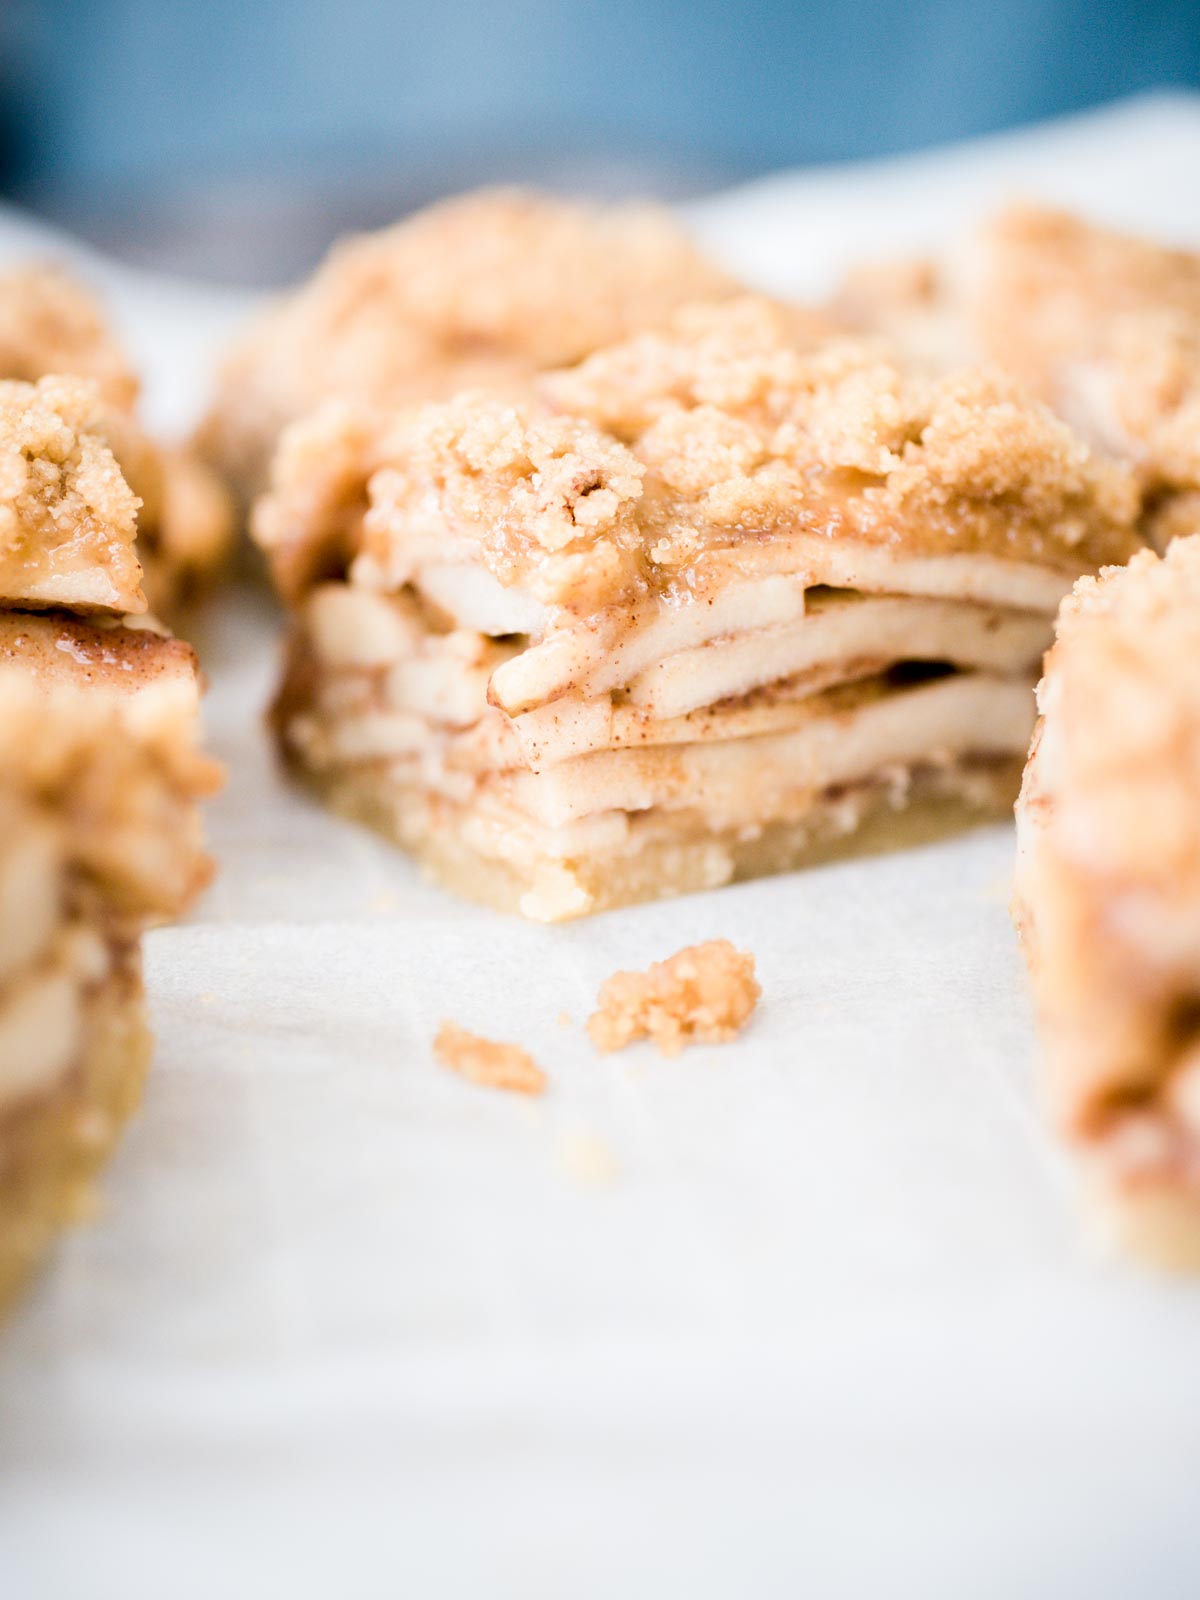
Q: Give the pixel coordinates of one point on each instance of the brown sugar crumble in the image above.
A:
(704, 994)
(484, 1061)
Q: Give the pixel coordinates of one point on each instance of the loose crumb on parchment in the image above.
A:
(704, 994)
(586, 1159)
(484, 1061)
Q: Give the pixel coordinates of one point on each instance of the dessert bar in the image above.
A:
(100, 774)
(720, 600)
(1108, 894)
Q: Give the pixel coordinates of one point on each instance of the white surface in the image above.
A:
(349, 1326)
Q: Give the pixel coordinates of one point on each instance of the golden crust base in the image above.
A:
(869, 819)
(51, 1151)
(1156, 1223)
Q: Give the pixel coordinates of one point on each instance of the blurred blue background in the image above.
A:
(234, 138)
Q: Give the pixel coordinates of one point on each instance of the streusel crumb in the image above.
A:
(552, 501)
(704, 994)
(49, 323)
(481, 291)
(730, 428)
(484, 1061)
(1102, 326)
(736, 414)
(68, 518)
(725, 431)
(1057, 293)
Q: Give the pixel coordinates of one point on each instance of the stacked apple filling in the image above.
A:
(719, 599)
(100, 772)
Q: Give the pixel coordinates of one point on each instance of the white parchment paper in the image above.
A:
(808, 1314)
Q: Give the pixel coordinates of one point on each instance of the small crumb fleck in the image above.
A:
(998, 890)
(564, 1019)
(208, 999)
(383, 904)
(702, 995)
(484, 1061)
(586, 1159)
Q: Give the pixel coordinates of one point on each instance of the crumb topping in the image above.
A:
(49, 323)
(748, 427)
(704, 994)
(730, 429)
(479, 291)
(551, 501)
(1103, 326)
(66, 511)
(485, 1062)
(1053, 289)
